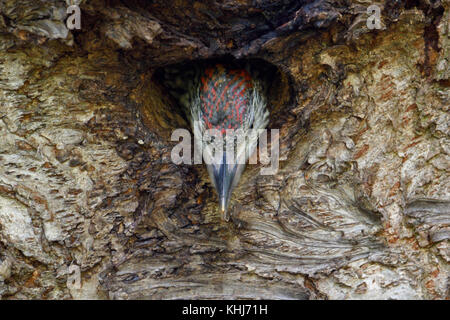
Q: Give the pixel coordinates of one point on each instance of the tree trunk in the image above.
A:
(91, 205)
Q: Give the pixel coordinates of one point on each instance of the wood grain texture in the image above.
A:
(358, 210)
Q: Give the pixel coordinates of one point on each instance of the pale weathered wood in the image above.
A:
(91, 205)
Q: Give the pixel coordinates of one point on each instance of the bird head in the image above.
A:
(227, 108)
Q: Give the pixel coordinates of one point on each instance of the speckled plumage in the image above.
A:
(227, 98)
(222, 97)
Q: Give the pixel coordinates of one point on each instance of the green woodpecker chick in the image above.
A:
(226, 106)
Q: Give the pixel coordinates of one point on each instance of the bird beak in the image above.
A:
(223, 205)
(225, 177)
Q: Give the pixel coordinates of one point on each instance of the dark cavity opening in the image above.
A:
(277, 85)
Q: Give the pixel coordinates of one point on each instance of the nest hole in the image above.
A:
(277, 84)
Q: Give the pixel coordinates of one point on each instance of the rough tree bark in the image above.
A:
(92, 207)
